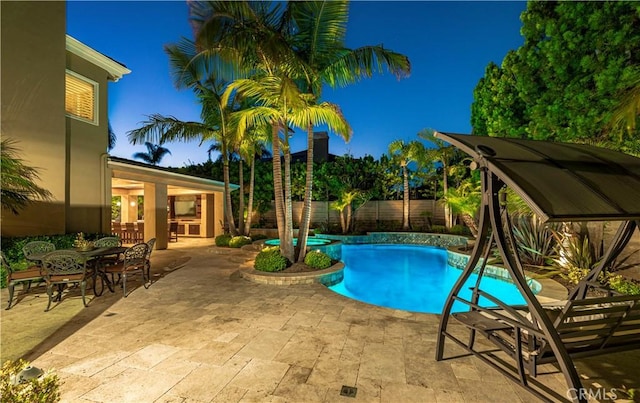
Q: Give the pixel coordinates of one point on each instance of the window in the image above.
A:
(81, 98)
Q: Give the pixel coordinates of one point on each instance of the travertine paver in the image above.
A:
(201, 333)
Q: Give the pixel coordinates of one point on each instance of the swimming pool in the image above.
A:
(410, 277)
(310, 241)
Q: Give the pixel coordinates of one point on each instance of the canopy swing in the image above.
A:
(561, 183)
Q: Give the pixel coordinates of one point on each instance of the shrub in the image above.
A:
(223, 240)
(45, 388)
(622, 285)
(239, 241)
(270, 259)
(460, 230)
(317, 260)
(257, 237)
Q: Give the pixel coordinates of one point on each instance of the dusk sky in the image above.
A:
(449, 45)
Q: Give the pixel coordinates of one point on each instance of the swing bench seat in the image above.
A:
(586, 327)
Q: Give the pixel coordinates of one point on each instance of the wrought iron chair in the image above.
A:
(106, 242)
(32, 273)
(173, 231)
(134, 259)
(64, 267)
(151, 242)
(35, 250)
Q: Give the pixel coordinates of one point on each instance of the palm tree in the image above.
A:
(112, 138)
(192, 72)
(625, 115)
(444, 155)
(17, 181)
(154, 153)
(319, 42)
(282, 105)
(465, 200)
(403, 154)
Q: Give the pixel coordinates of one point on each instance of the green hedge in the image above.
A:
(317, 260)
(239, 241)
(270, 259)
(223, 240)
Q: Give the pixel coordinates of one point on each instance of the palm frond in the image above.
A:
(18, 185)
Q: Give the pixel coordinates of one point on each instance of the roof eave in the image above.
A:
(116, 70)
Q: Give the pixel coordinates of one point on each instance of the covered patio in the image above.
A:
(148, 198)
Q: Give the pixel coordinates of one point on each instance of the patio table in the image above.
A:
(94, 255)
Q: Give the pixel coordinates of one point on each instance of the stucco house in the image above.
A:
(54, 105)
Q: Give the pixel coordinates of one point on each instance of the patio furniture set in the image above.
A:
(131, 233)
(106, 263)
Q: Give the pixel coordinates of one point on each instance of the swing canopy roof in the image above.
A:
(560, 181)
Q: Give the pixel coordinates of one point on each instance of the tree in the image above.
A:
(18, 186)
(444, 155)
(465, 200)
(319, 42)
(192, 72)
(154, 153)
(282, 106)
(403, 154)
(577, 63)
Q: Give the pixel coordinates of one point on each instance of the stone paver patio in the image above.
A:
(201, 333)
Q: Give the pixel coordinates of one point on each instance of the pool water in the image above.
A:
(310, 242)
(412, 278)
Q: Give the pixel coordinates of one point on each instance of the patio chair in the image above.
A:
(133, 259)
(116, 229)
(64, 267)
(20, 276)
(128, 233)
(139, 235)
(35, 250)
(104, 260)
(173, 231)
(151, 242)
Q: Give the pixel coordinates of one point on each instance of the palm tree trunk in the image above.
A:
(252, 177)
(241, 198)
(228, 211)
(303, 230)
(471, 223)
(348, 219)
(447, 209)
(277, 184)
(405, 201)
(287, 247)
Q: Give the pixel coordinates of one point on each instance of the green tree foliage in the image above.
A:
(565, 82)
(18, 185)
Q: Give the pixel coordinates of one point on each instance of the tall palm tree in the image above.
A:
(403, 154)
(442, 154)
(154, 154)
(192, 72)
(319, 43)
(18, 185)
(282, 105)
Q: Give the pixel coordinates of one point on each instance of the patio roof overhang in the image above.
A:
(560, 181)
(140, 173)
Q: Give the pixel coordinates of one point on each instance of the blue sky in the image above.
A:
(449, 45)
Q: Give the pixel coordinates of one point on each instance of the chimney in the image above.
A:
(320, 146)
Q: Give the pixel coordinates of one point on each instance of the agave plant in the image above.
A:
(535, 240)
(578, 250)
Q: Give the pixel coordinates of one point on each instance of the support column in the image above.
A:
(218, 213)
(207, 216)
(155, 214)
(128, 212)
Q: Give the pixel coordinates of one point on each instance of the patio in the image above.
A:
(201, 333)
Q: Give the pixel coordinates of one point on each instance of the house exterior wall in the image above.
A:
(87, 143)
(33, 113)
